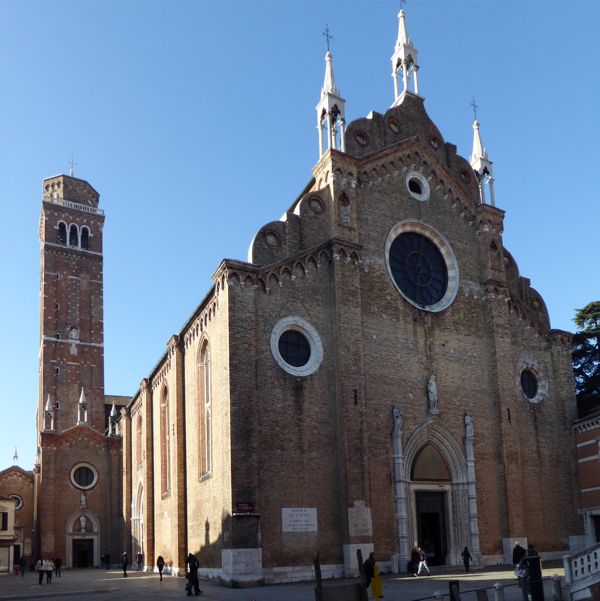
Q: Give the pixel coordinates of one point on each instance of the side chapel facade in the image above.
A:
(376, 373)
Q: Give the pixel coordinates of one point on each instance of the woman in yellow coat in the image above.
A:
(376, 584)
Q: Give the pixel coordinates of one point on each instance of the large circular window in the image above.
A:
(296, 346)
(84, 476)
(422, 265)
(18, 501)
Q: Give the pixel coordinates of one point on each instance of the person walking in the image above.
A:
(48, 567)
(22, 565)
(414, 560)
(57, 566)
(160, 564)
(193, 583)
(124, 562)
(39, 568)
(369, 569)
(422, 562)
(140, 561)
(466, 556)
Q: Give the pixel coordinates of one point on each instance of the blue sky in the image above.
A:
(195, 121)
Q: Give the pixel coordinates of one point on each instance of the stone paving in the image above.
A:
(101, 585)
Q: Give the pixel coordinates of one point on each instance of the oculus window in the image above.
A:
(84, 476)
(296, 346)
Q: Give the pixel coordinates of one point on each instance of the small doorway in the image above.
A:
(431, 525)
(83, 553)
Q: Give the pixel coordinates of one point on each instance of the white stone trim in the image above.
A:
(293, 322)
(426, 190)
(444, 247)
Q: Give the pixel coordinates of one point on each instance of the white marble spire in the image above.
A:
(331, 111)
(404, 60)
(82, 415)
(482, 166)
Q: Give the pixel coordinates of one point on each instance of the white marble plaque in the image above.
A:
(359, 519)
(299, 519)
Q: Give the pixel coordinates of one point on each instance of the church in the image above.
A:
(377, 373)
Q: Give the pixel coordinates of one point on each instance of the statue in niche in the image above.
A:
(397, 413)
(432, 395)
(468, 426)
(82, 501)
(82, 523)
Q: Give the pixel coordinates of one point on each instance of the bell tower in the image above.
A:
(78, 472)
(71, 304)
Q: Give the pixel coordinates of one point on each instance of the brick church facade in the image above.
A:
(376, 373)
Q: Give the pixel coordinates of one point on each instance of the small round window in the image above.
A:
(529, 384)
(417, 185)
(18, 501)
(84, 476)
(296, 346)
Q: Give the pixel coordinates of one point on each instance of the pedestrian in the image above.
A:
(414, 560)
(139, 560)
(466, 558)
(422, 562)
(107, 559)
(376, 583)
(518, 554)
(369, 569)
(57, 566)
(124, 561)
(39, 568)
(160, 564)
(48, 567)
(193, 583)
(22, 565)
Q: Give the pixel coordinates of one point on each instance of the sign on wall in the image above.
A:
(299, 519)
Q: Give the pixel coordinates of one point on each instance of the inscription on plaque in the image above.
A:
(299, 519)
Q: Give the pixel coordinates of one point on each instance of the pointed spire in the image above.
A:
(82, 400)
(48, 407)
(48, 415)
(16, 457)
(481, 164)
(331, 108)
(82, 415)
(404, 60)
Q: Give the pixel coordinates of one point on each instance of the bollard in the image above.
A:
(498, 591)
(556, 588)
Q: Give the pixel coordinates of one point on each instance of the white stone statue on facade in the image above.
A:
(397, 413)
(82, 523)
(82, 501)
(432, 395)
(468, 426)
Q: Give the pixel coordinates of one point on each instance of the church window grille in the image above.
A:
(529, 383)
(85, 238)
(73, 236)
(422, 265)
(204, 412)
(84, 476)
(294, 348)
(164, 442)
(62, 233)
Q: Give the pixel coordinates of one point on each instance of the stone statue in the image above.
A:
(468, 426)
(82, 523)
(397, 413)
(82, 501)
(432, 395)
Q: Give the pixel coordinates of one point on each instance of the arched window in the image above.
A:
(73, 236)
(62, 233)
(85, 238)
(204, 411)
(138, 440)
(430, 465)
(164, 441)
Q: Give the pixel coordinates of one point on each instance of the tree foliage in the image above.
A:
(586, 358)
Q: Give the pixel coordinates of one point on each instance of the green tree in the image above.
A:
(586, 358)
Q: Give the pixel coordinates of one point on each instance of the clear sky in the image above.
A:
(196, 123)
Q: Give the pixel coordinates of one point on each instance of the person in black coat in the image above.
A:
(193, 566)
(414, 560)
(369, 568)
(466, 556)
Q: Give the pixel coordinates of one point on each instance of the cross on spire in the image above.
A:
(402, 3)
(327, 36)
(475, 107)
